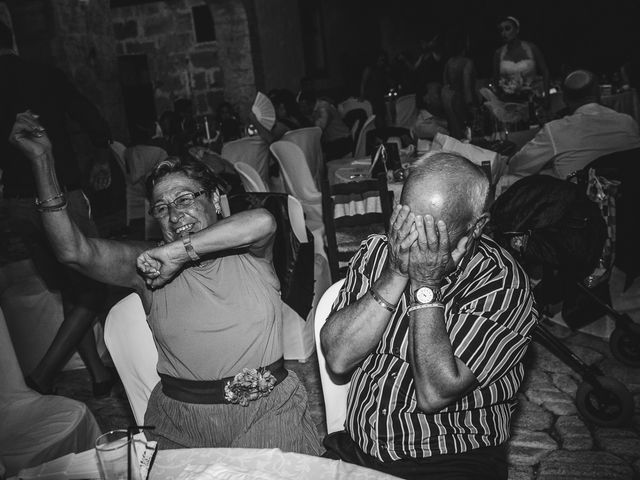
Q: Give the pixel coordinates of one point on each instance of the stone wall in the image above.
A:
(179, 66)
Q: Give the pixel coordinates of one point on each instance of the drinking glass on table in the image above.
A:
(114, 450)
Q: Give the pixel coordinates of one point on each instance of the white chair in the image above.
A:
(308, 139)
(250, 178)
(133, 351)
(361, 143)
(353, 103)
(36, 428)
(253, 151)
(406, 111)
(297, 178)
(334, 393)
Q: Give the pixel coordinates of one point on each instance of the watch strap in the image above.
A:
(193, 255)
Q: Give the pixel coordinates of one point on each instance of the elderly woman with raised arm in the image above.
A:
(213, 304)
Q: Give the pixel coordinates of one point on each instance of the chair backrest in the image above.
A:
(351, 212)
(361, 142)
(250, 178)
(308, 139)
(334, 392)
(353, 103)
(117, 149)
(11, 379)
(295, 170)
(406, 111)
(133, 351)
(253, 151)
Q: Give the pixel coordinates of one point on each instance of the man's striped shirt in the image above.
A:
(489, 315)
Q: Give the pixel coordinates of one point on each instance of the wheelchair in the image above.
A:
(562, 240)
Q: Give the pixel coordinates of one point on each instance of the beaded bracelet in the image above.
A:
(40, 202)
(52, 208)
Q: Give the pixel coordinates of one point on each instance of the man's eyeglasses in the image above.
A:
(181, 203)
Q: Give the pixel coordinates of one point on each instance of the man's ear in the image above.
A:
(478, 227)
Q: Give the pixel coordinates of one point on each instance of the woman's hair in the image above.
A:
(189, 167)
(513, 20)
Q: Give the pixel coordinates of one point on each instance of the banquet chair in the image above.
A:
(352, 211)
(297, 178)
(353, 103)
(253, 151)
(36, 428)
(308, 139)
(133, 351)
(334, 391)
(251, 180)
(360, 150)
(406, 111)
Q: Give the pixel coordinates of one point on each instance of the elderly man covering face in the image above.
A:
(432, 323)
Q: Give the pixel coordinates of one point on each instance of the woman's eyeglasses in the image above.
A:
(506, 28)
(181, 203)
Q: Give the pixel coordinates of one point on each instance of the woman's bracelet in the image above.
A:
(381, 301)
(52, 208)
(193, 255)
(56, 196)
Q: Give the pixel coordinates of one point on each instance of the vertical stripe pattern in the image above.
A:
(489, 315)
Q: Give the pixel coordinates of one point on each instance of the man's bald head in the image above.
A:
(580, 87)
(448, 187)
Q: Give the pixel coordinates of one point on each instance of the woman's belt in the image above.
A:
(213, 391)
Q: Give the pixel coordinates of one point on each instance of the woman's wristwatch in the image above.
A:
(186, 241)
(426, 297)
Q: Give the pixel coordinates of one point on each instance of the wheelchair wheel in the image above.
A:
(625, 345)
(610, 405)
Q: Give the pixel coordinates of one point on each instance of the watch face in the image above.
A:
(424, 295)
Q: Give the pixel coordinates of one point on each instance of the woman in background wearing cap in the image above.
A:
(519, 68)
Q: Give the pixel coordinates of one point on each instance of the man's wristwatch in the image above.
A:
(425, 295)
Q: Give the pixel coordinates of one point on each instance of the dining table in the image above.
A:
(212, 464)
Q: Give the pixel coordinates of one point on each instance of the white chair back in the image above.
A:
(361, 142)
(250, 178)
(118, 149)
(308, 139)
(406, 111)
(140, 160)
(297, 177)
(253, 151)
(335, 394)
(133, 351)
(11, 379)
(353, 103)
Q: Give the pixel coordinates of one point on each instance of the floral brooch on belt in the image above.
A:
(248, 385)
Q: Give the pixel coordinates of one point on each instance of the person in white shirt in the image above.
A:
(569, 144)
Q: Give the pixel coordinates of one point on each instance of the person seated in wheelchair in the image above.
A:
(213, 304)
(431, 324)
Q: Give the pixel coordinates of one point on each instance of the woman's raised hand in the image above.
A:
(30, 137)
(158, 265)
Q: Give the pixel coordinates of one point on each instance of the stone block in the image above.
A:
(591, 341)
(565, 383)
(553, 400)
(518, 472)
(621, 442)
(158, 25)
(184, 23)
(566, 465)
(140, 47)
(528, 448)
(204, 59)
(573, 433)
(530, 416)
(125, 30)
(548, 362)
(626, 375)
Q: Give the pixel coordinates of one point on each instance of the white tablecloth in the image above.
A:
(217, 463)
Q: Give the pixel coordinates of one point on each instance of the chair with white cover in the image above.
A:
(36, 428)
(334, 392)
(406, 111)
(361, 143)
(253, 151)
(251, 180)
(139, 160)
(298, 179)
(133, 351)
(353, 103)
(309, 141)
